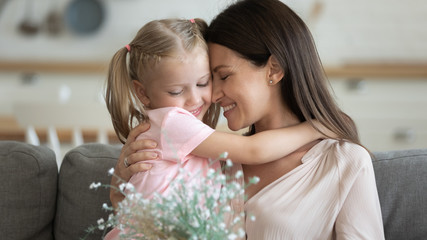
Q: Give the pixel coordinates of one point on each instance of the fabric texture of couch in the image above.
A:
(37, 202)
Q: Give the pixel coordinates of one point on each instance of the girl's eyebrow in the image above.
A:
(174, 83)
(205, 76)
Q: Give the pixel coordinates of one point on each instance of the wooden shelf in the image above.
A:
(52, 67)
(369, 70)
(10, 130)
(387, 71)
(64, 135)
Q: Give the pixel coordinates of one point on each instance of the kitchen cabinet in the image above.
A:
(389, 113)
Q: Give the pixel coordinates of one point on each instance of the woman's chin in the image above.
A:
(233, 127)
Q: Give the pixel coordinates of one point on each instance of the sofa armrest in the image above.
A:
(402, 187)
(79, 207)
(28, 176)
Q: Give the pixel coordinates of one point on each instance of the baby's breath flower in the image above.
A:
(229, 163)
(211, 172)
(232, 236)
(254, 180)
(101, 225)
(227, 209)
(195, 207)
(111, 171)
(127, 186)
(94, 185)
(223, 155)
(241, 232)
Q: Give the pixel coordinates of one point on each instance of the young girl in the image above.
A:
(166, 80)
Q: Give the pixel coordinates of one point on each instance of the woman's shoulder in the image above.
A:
(347, 153)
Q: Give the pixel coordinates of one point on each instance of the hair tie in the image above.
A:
(192, 20)
(127, 47)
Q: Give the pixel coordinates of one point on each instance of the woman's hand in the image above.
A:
(134, 160)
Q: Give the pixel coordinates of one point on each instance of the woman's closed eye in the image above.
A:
(224, 77)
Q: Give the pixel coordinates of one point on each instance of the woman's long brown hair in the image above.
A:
(258, 29)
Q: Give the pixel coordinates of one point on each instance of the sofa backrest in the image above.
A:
(79, 207)
(52, 207)
(401, 178)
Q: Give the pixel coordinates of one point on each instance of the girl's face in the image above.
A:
(240, 87)
(184, 82)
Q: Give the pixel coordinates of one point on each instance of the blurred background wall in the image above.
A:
(54, 53)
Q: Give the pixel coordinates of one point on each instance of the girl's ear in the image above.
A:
(275, 70)
(140, 92)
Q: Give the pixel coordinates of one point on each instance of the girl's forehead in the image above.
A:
(174, 71)
(197, 52)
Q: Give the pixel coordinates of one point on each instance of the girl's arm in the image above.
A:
(262, 147)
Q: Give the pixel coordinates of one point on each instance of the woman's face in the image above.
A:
(240, 87)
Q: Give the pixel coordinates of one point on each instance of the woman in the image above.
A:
(267, 75)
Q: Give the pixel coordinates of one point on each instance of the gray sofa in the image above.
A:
(38, 203)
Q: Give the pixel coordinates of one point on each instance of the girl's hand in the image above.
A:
(134, 160)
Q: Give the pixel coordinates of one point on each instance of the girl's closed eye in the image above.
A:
(203, 84)
(175, 92)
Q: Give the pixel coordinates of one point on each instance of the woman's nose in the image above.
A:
(217, 93)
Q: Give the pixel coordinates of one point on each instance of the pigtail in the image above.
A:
(120, 96)
(201, 25)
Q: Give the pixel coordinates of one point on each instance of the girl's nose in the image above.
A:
(193, 98)
(217, 92)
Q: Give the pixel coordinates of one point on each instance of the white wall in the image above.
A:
(346, 31)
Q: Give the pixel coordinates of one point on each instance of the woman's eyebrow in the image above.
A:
(218, 67)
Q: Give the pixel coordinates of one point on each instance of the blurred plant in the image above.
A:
(197, 207)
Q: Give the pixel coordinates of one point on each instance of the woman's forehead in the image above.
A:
(221, 57)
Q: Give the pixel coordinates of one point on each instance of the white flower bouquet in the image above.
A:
(188, 211)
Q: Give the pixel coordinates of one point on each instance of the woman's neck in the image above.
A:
(278, 116)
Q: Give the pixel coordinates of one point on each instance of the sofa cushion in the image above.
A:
(402, 187)
(28, 176)
(79, 207)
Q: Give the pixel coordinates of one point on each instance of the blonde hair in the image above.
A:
(155, 40)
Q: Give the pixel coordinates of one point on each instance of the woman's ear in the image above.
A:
(275, 70)
(140, 92)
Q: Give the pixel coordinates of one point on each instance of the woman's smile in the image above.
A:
(228, 108)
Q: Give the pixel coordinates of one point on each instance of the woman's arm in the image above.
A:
(261, 147)
(360, 214)
(135, 160)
